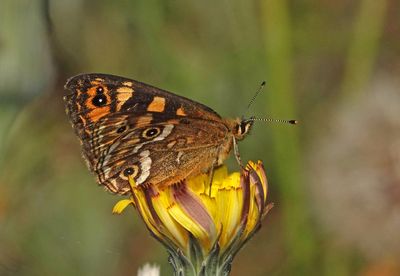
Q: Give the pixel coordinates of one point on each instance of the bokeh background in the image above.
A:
(334, 179)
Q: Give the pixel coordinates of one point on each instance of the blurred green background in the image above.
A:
(334, 179)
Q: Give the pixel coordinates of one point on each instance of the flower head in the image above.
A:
(204, 223)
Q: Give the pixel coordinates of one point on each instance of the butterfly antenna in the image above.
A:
(255, 96)
(292, 122)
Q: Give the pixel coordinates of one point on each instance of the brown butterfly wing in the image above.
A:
(179, 150)
(111, 114)
(121, 94)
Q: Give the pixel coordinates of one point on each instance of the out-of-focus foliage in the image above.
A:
(334, 178)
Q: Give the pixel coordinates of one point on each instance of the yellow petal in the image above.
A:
(162, 203)
(187, 222)
(191, 214)
(146, 213)
(121, 205)
(210, 204)
(221, 173)
(230, 204)
(259, 168)
(253, 216)
(197, 184)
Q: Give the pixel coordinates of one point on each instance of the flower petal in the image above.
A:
(263, 177)
(253, 217)
(192, 214)
(121, 205)
(230, 202)
(259, 190)
(168, 225)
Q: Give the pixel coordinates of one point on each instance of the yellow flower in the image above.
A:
(204, 226)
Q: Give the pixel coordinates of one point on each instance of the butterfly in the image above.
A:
(131, 129)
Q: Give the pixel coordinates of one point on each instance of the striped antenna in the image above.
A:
(254, 97)
(292, 122)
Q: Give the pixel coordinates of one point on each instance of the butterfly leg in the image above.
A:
(211, 172)
(236, 152)
(210, 177)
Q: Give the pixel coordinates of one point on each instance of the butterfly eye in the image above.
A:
(99, 100)
(243, 128)
(151, 132)
(131, 171)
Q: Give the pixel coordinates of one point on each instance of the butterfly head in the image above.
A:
(242, 128)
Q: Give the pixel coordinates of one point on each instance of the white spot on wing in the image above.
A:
(138, 147)
(178, 158)
(145, 166)
(166, 131)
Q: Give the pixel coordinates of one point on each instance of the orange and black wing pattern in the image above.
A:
(127, 127)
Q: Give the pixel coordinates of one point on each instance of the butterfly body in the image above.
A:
(131, 129)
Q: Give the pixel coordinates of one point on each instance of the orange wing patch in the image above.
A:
(144, 121)
(128, 83)
(180, 112)
(157, 105)
(123, 94)
(124, 89)
(98, 112)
